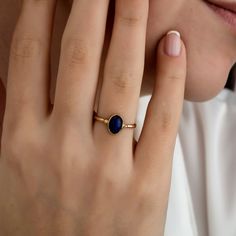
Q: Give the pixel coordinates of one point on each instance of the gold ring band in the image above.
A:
(114, 123)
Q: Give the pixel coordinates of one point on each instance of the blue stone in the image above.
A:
(115, 124)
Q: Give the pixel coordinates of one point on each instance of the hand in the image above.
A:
(61, 172)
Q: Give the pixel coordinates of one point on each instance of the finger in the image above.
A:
(155, 147)
(124, 67)
(82, 45)
(28, 79)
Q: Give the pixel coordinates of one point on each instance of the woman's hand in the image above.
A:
(61, 172)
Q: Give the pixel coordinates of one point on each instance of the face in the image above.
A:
(210, 42)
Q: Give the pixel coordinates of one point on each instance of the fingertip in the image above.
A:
(171, 45)
(171, 52)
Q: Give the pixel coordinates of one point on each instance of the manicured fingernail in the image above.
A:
(173, 43)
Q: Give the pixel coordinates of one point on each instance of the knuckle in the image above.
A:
(76, 51)
(167, 74)
(14, 125)
(63, 138)
(65, 147)
(145, 193)
(17, 141)
(162, 115)
(65, 116)
(10, 144)
(134, 14)
(25, 47)
(21, 105)
(175, 77)
(122, 81)
(171, 75)
(166, 118)
(16, 147)
(146, 204)
(131, 20)
(108, 181)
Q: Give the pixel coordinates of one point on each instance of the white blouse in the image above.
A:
(202, 199)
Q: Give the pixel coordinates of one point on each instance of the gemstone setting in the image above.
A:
(115, 124)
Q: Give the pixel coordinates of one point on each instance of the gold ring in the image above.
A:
(114, 123)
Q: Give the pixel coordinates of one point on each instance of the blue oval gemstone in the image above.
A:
(115, 124)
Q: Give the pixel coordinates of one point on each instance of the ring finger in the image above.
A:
(124, 67)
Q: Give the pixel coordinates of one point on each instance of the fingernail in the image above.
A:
(173, 43)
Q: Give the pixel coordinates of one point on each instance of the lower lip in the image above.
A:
(228, 16)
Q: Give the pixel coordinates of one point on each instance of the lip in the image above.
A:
(231, 6)
(227, 12)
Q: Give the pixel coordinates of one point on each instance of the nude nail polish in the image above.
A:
(173, 43)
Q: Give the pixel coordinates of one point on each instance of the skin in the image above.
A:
(210, 43)
(207, 38)
(60, 172)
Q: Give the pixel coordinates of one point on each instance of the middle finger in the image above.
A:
(81, 49)
(124, 67)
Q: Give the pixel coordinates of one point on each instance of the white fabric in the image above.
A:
(203, 190)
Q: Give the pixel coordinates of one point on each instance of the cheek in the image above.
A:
(210, 48)
(209, 64)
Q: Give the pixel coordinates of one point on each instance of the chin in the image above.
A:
(210, 44)
(207, 75)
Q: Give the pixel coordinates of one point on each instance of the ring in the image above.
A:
(114, 123)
